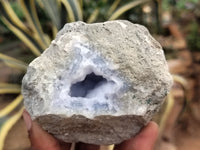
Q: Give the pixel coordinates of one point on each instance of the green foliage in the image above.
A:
(182, 4)
(178, 4)
(15, 6)
(3, 28)
(193, 38)
(30, 30)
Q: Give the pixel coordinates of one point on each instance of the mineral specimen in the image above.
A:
(97, 83)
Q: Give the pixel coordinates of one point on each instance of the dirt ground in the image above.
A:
(187, 137)
(17, 138)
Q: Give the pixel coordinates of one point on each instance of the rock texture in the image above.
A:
(97, 83)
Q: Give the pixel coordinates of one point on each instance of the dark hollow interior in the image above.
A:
(82, 88)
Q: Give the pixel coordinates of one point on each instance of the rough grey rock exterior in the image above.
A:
(97, 83)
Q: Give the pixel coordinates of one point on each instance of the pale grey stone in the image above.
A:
(97, 83)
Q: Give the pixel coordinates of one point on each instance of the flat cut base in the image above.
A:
(102, 130)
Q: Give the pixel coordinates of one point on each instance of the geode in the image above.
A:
(97, 83)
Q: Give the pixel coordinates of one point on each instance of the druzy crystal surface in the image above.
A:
(97, 83)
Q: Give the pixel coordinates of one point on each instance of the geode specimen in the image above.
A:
(97, 83)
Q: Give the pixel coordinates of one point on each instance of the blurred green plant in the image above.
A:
(178, 4)
(193, 39)
(21, 17)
